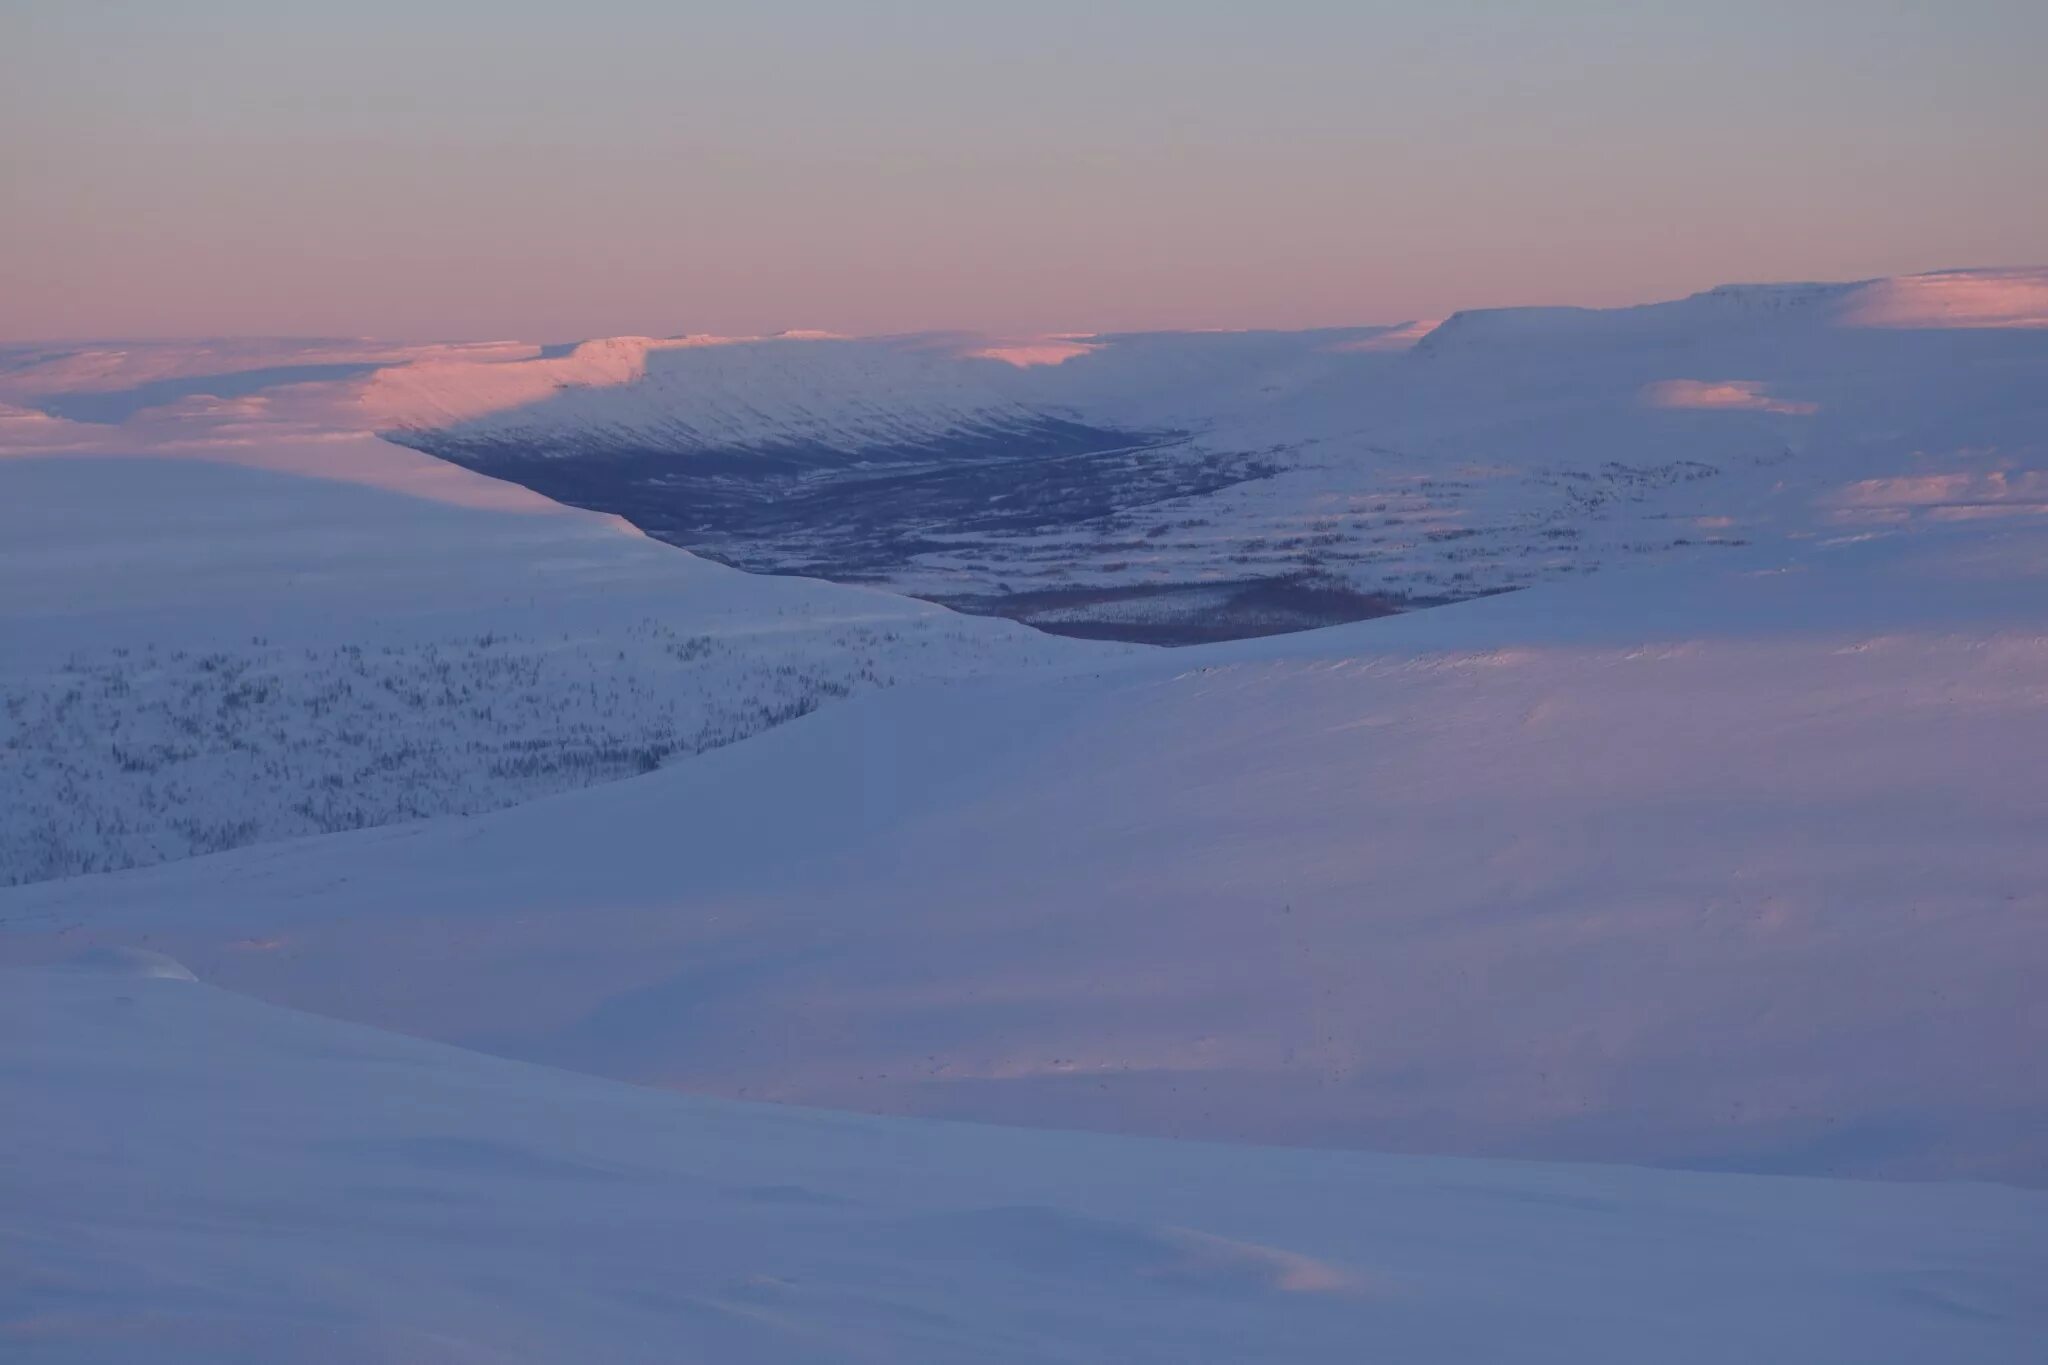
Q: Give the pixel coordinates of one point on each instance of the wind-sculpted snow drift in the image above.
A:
(191, 1176)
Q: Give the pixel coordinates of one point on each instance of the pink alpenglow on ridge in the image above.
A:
(1954, 298)
(1736, 395)
(1394, 338)
(1962, 495)
(444, 390)
(1032, 353)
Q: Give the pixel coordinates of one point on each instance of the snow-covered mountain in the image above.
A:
(191, 1176)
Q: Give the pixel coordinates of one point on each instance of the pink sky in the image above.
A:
(457, 169)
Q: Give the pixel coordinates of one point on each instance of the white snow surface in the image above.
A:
(190, 1176)
(1511, 447)
(1733, 869)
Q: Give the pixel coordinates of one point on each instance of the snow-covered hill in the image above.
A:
(191, 1176)
(240, 633)
(1732, 866)
(1511, 447)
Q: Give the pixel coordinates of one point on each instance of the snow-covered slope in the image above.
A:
(1733, 867)
(190, 1176)
(1512, 447)
(233, 630)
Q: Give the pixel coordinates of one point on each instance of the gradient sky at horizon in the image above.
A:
(488, 168)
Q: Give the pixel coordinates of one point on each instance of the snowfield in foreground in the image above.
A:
(1738, 869)
(191, 1176)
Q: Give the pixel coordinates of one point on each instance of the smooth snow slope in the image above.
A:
(190, 1176)
(1739, 869)
(235, 630)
